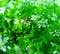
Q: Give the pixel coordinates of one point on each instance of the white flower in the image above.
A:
(48, 25)
(16, 21)
(58, 35)
(6, 39)
(8, 47)
(57, 2)
(16, 47)
(55, 52)
(51, 42)
(39, 26)
(34, 17)
(43, 25)
(19, 5)
(10, 4)
(28, 48)
(22, 20)
(53, 18)
(49, 0)
(48, 15)
(43, 13)
(2, 10)
(54, 14)
(7, 19)
(55, 30)
(39, 1)
(3, 48)
(8, 10)
(51, 32)
(0, 36)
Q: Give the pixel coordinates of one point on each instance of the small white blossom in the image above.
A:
(53, 18)
(48, 15)
(55, 30)
(0, 36)
(57, 34)
(48, 25)
(22, 20)
(34, 17)
(54, 15)
(55, 52)
(28, 48)
(3, 48)
(19, 5)
(10, 4)
(57, 2)
(8, 10)
(16, 47)
(2, 10)
(6, 39)
(39, 26)
(43, 25)
(8, 47)
(43, 13)
(51, 32)
(16, 21)
(53, 44)
(49, 0)
(7, 19)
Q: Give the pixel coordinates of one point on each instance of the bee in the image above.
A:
(25, 20)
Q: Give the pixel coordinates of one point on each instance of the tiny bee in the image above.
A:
(25, 20)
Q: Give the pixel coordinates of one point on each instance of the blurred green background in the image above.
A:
(29, 26)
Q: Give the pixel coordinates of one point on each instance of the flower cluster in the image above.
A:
(35, 17)
(55, 33)
(43, 23)
(3, 47)
(2, 10)
(54, 17)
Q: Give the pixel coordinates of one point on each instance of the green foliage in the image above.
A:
(29, 27)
